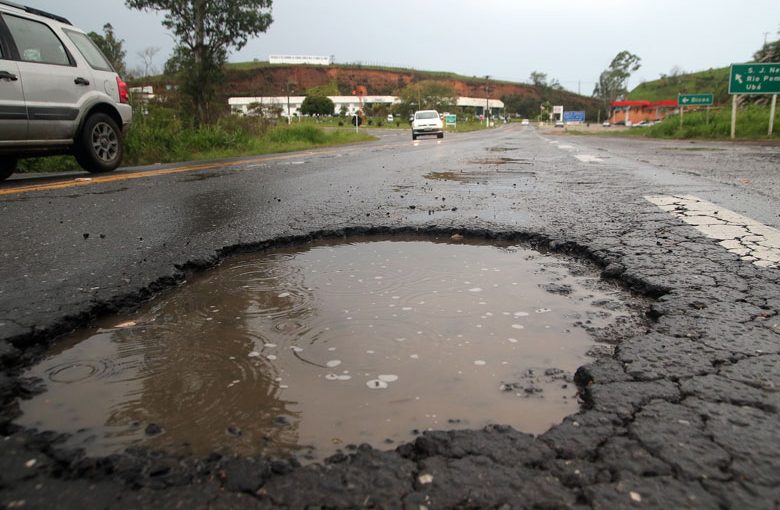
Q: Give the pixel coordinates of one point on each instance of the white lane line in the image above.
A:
(588, 158)
(750, 240)
(567, 147)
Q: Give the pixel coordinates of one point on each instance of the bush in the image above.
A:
(159, 136)
(752, 122)
(293, 134)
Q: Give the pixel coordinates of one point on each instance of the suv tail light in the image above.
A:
(124, 95)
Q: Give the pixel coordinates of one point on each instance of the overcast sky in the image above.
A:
(571, 40)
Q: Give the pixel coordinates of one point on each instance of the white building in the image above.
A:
(243, 105)
(300, 59)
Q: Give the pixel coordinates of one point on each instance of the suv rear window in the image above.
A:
(36, 42)
(426, 115)
(90, 51)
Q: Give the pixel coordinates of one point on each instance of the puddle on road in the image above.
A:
(304, 350)
(479, 177)
(501, 161)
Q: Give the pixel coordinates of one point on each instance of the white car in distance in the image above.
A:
(427, 122)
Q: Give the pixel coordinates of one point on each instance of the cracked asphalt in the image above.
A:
(683, 414)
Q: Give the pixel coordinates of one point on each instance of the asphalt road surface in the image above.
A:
(682, 415)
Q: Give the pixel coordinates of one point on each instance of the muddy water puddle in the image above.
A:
(305, 350)
(479, 177)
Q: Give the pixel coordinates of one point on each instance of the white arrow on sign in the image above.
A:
(738, 78)
(685, 100)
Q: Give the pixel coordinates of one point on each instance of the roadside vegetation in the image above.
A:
(752, 124)
(712, 81)
(159, 135)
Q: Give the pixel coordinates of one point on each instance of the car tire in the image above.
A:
(414, 137)
(440, 135)
(99, 148)
(7, 167)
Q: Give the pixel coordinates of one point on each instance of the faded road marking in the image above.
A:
(124, 176)
(567, 147)
(588, 158)
(750, 240)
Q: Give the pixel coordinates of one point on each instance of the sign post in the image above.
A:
(753, 79)
(574, 117)
(684, 100)
(695, 99)
(772, 110)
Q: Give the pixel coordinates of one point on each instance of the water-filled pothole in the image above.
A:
(304, 350)
(479, 177)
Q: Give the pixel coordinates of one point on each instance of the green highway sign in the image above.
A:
(451, 120)
(695, 100)
(755, 78)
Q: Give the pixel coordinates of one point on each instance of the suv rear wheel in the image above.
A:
(99, 148)
(7, 167)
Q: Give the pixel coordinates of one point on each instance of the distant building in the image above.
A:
(633, 112)
(300, 59)
(351, 104)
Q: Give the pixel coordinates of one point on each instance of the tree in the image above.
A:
(317, 105)
(147, 56)
(538, 79)
(205, 31)
(330, 89)
(428, 95)
(112, 48)
(525, 106)
(612, 81)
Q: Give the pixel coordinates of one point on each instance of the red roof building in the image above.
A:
(633, 112)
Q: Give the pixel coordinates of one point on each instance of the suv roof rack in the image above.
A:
(33, 10)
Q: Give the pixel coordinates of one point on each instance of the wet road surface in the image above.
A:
(683, 414)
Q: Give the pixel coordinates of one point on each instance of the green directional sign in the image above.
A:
(755, 78)
(695, 99)
(451, 120)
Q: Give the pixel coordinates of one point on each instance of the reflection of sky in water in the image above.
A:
(337, 344)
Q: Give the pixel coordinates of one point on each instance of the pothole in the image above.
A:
(306, 349)
(477, 177)
(500, 161)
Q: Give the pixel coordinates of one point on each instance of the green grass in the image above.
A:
(752, 124)
(713, 81)
(160, 137)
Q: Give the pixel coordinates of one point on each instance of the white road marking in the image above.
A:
(588, 158)
(567, 147)
(750, 240)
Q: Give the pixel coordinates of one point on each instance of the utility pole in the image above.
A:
(487, 104)
(289, 117)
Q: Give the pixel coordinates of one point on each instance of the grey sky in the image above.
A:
(571, 40)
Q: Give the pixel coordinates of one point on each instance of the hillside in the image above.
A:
(714, 81)
(264, 79)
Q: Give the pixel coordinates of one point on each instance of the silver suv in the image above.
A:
(58, 93)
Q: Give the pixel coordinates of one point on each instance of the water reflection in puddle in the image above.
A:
(306, 350)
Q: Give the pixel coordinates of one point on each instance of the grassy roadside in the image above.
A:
(381, 123)
(160, 137)
(752, 124)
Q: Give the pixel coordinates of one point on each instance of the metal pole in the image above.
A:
(487, 106)
(707, 116)
(289, 117)
(734, 116)
(772, 110)
(682, 109)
